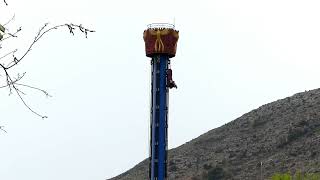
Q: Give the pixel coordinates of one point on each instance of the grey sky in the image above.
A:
(232, 57)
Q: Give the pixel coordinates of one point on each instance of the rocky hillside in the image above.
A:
(281, 136)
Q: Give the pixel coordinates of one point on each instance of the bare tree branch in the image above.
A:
(18, 92)
(32, 87)
(1, 128)
(42, 32)
(12, 83)
(10, 20)
(9, 53)
(11, 34)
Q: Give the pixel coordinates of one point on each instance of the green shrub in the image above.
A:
(297, 176)
(312, 177)
(281, 177)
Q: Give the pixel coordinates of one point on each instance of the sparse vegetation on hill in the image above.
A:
(297, 176)
(279, 137)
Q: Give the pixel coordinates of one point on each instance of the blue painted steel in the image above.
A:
(159, 110)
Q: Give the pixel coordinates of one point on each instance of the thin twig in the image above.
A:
(10, 83)
(32, 87)
(12, 34)
(26, 105)
(12, 52)
(1, 128)
(13, 17)
(42, 32)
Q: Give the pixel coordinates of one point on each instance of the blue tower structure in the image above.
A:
(160, 43)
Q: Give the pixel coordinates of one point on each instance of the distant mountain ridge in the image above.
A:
(282, 136)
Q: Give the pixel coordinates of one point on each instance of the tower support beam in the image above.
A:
(159, 114)
(161, 43)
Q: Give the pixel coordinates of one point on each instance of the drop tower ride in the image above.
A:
(160, 45)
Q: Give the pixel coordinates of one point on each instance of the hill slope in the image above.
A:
(282, 136)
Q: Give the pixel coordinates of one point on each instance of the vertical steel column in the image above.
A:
(160, 45)
(159, 125)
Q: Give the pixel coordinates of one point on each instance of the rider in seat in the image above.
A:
(170, 83)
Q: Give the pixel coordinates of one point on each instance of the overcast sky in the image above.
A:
(233, 56)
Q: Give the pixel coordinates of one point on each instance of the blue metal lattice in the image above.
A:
(159, 110)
